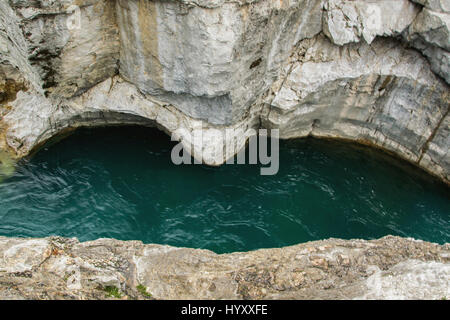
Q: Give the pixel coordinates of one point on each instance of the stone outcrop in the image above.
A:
(62, 49)
(211, 63)
(351, 21)
(381, 94)
(429, 33)
(34, 119)
(436, 5)
(59, 268)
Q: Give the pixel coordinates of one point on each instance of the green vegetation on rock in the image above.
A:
(7, 166)
(143, 290)
(112, 292)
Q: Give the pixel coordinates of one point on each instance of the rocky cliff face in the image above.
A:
(372, 71)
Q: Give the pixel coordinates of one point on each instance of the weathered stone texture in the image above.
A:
(382, 94)
(67, 55)
(430, 34)
(352, 21)
(388, 268)
(436, 5)
(231, 64)
(211, 63)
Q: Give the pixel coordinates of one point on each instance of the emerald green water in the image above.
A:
(120, 183)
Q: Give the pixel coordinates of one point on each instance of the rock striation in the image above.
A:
(371, 71)
(211, 63)
(381, 94)
(429, 33)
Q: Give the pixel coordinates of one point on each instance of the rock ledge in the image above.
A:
(61, 268)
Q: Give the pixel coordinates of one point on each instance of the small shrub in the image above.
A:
(112, 291)
(143, 290)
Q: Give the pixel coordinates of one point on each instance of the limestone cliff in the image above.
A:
(372, 71)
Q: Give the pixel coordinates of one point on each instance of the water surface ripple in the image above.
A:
(120, 183)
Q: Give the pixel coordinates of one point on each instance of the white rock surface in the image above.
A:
(387, 268)
(61, 50)
(351, 21)
(193, 66)
(211, 63)
(381, 94)
(20, 256)
(410, 280)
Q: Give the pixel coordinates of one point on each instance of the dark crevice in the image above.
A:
(426, 145)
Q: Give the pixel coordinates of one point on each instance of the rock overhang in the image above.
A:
(233, 64)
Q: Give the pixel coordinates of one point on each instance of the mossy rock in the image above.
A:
(7, 165)
(143, 291)
(112, 292)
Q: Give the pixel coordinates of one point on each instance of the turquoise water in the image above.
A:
(120, 183)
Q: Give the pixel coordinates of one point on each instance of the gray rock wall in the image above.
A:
(211, 63)
(371, 71)
(381, 94)
(351, 21)
(429, 33)
(67, 55)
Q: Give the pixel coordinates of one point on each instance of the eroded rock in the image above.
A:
(63, 47)
(430, 34)
(381, 94)
(436, 5)
(388, 268)
(212, 64)
(197, 66)
(351, 21)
